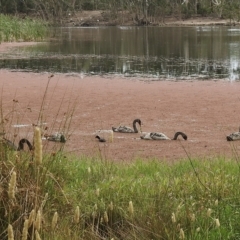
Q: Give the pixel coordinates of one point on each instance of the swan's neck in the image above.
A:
(184, 136)
(21, 143)
(135, 127)
(176, 135)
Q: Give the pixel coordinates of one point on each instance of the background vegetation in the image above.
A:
(15, 29)
(142, 10)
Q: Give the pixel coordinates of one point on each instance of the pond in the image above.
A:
(174, 53)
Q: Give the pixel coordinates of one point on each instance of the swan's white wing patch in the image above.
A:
(158, 136)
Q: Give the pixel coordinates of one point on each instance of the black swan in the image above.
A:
(126, 129)
(161, 136)
(20, 146)
(57, 137)
(234, 136)
(100, 139)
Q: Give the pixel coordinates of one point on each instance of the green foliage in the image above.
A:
(199, 200)
(15, 29)
(152, 9)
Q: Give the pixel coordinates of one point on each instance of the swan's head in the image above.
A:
(62, 138)
(184, 136)
(100, 139)
(229, 138)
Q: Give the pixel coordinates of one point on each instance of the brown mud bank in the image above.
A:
(80, 105)
(104, 18)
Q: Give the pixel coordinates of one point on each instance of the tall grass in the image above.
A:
(90, 198)
(16, 29)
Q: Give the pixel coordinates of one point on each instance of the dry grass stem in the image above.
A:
(38, 146)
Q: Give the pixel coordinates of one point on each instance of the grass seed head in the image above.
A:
(97, 192)
(10, 232)
(31, 218)
(130, 208)
(209, 212)
(111, 136)
(25, 230)
(217, 223)
(173, 218)
(54, 220)
(105, 217)
(37, 223)
(110, 206)
(77, 215)
(193, 217)
(12, 186)
(182, 235)
(37, 235)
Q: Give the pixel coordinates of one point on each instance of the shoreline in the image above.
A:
(98, 18)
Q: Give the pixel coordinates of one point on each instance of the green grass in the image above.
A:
(167, 198)
(17, 29)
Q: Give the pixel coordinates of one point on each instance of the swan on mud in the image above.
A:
(234, 136)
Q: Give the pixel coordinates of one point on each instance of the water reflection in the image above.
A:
(155, 52)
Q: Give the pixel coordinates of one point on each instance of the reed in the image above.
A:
(16, 29)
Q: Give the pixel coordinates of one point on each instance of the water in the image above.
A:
(151, 52)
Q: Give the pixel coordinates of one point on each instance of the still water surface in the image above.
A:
(153, 52)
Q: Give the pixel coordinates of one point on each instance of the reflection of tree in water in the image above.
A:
(148, 67)
(177, 53)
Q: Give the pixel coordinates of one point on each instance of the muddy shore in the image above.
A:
(207, 111)
(103, 18)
